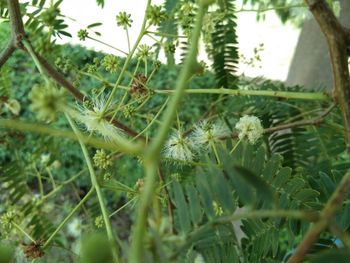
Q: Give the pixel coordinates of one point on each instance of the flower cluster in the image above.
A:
(102, 160)
(217, 208)
(64, 64)
(49, 16)
(169, 48)
(199, 259)
(99, 223)
(179, 147)
(94, 121)
(47, 101)
(249, 127)
(6, 221)
(206, 133)
(186, 16)
(110, 63)
(124, 20)
(144, 52)
(75, 228)
(82, 34)
(156, 15)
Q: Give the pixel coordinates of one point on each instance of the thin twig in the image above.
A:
(6, 53)
(16, 21)
(314, 121)
(338, 43)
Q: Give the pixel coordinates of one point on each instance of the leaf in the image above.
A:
(94, 25)
(194, 204)
(263, 190)
(204, 193)
(100, 3)
(182, 208)
(223, 49)
(65, 33)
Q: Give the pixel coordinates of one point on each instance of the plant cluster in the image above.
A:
(124, 159)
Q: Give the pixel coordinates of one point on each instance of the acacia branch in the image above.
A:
(314, 121)
(16, 21)
(338, 42)
(6, 53)
(18, 34)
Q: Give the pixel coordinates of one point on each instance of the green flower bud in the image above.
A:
(47, 101)
(156, 15)
(102, 160)
(144, 52)
(82, 34)
(124, 20)
(110, 63)
(99, 223)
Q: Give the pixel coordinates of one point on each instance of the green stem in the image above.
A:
(128, 58)
(126, 92)
(153, 151)
(58, 188)
(122, 207)
(162, 34)
(61, 225)
(108, 45)
(153, 120)
(236, 145)
(136, 251)
(267, 93)
(96, 186)
(23, 232)
(31, 52)
(51, 177)
(272, 8)
(130, 148)
(128, 38)
(212, 145)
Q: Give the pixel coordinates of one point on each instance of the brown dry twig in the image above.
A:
(338, 40)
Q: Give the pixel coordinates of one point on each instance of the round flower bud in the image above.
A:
(249, 127)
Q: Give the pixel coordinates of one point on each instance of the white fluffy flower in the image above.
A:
(94, 121)
(206, 133)
(74, 228)
(249, 127)
(199, 259)
(179, 147)
(45, 158)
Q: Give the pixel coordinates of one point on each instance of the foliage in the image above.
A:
(211, 178)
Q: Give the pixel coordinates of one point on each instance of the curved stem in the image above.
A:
(62, 224)
(132, 148)
(96, 186)
(23, 232)
(153, 151)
